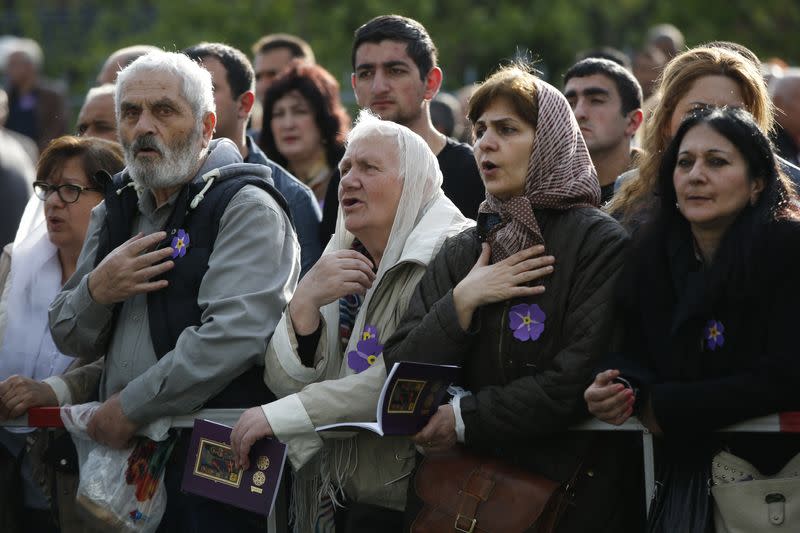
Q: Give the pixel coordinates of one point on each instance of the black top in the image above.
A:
(606, 192)
(699, 381)
(462, 184)
(330, 209)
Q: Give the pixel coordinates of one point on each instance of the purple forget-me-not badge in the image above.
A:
(367, 350)
(713, 334)
(180, 243)
(526, 321)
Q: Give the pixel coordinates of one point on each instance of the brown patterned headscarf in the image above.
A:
(560, 176)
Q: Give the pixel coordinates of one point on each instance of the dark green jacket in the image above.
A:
(526, 394)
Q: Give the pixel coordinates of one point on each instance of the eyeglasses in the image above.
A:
(68, 192)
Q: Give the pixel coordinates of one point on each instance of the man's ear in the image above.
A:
(635, 119)
(209, 122)
(245, 104)
(353, 85)
(433, 82)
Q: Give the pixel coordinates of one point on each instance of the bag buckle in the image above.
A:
(776, 506)
(472, 522)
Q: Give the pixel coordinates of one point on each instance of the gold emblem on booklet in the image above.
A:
(258, 480)
(263, 462)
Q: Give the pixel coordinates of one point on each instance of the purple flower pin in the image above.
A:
(367, 350)
(714, 334)
(180, 243)
(526, 321)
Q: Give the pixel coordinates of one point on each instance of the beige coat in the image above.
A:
(330, 392)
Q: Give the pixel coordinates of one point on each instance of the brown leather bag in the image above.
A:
(463, 492)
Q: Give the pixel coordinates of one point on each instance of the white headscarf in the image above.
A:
(422, 187)
(422, 181)
(27, 348)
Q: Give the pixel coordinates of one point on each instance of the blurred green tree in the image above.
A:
(472, 36)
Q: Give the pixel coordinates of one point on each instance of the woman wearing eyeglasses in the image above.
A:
(42, 262)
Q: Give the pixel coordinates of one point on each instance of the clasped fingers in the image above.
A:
(612, 403)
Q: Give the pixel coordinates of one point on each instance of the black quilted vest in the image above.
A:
(173, 309)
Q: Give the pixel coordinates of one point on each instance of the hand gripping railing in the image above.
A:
(776, 423)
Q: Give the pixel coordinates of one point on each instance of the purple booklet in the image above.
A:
(211, 472)
(410, 396)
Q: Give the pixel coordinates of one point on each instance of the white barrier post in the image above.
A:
(649, 468)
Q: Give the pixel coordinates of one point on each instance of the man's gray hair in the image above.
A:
(103, 90)
(30, 49)
(196, 83)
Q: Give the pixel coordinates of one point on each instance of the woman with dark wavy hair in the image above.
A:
(708, 299)
(305, 124)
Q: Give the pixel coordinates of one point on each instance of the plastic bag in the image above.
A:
(122, 490)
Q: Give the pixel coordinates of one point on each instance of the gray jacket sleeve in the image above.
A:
(251, 276)
(78, 324)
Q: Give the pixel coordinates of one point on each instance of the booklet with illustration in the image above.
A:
(410, 396)
(210, 470)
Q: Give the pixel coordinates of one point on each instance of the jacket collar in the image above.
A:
(442, 220)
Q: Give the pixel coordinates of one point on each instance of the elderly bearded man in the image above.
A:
(185, 272)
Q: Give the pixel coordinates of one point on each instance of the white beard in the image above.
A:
(174, 166)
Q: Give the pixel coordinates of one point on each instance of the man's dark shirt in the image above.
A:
(606, 192)
(462, 181)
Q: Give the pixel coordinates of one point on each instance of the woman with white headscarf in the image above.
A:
(69, 184)
(522, 303)
(393, 217)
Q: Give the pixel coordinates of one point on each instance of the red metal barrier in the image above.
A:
(45, 417)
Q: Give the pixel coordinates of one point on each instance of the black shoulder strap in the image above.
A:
(121, 203)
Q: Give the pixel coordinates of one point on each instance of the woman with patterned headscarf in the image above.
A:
(522, 303)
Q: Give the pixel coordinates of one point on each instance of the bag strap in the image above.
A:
(564, 496)
(476, 490)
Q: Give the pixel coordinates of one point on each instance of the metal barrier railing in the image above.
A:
(775, 423)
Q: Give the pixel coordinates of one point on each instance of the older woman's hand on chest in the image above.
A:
(486, 284)
(335, 275)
